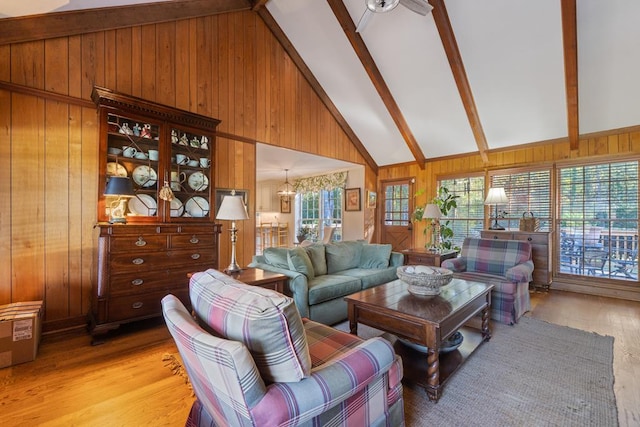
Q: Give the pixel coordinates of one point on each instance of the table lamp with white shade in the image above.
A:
(432, 212)
(233, 209)
(496, 196)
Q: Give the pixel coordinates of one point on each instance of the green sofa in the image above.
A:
(321, 275)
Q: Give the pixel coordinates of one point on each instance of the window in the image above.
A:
(396, 209)
(598, 220)
(528, 192)
(468, 218)
(319, 209)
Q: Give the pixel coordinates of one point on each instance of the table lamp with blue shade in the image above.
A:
(122, 189)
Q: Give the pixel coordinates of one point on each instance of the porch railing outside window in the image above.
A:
(598, 220)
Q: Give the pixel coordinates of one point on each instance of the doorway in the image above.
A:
(397, 205)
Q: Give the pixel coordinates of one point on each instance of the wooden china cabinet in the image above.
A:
(139, 262)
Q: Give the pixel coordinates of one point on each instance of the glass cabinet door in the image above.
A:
(190, 174)
(133, 151)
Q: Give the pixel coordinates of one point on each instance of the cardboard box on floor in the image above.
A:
(20, 329)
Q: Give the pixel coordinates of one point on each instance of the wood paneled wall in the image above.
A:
(225, 66)
(614, 145)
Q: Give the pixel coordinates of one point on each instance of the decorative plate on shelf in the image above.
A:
(177, 208)
(143, 205)
(197, 207)
(116, 169)
(198, 181)
(144, 176)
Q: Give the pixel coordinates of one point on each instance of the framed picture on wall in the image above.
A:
(352, 199)
(372, 198)
(221, 192)
(285, 204)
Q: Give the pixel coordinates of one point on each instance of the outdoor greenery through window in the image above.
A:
(468, 218)
(318, 209)
(529, 192)
(598, 220)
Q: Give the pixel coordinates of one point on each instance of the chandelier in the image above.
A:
(286, 189)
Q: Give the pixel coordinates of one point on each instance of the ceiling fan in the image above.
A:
(421, 7)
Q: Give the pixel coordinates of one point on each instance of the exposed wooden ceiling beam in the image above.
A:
(450, 45)
(343, 17)
(59, 24)
(257, 4)
(315, 85)
(570, 45)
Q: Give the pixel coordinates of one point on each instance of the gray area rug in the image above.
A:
(531, 374)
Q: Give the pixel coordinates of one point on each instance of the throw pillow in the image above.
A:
(375, 256)
(265, 321)
(343, 255)
(276, 257)
(299, 261)
(318, 258)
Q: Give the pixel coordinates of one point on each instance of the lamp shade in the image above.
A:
(431, 211)
(496, 196)
(119, 186)
(232, 208)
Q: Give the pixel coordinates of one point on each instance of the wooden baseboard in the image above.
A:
(64, 325)
(603, 290)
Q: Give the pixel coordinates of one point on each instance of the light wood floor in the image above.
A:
(124, 381)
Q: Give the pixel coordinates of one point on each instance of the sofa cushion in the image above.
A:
(370, 277)
(299, 261)
(318, 258)
(265, 321)
(375, 256)
(276, 257)
(332, 286)
(343, 255)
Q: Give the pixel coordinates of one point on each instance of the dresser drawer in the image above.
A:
(143, 305)
(137, 243)
(146, 281)
(534, 239)
(195, 240)
(131, 263)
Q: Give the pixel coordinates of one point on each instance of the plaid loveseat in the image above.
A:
(253, 361)
(506, 264)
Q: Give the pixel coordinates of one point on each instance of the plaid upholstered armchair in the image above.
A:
(253, 361)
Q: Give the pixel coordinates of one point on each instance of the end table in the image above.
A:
(423, 256)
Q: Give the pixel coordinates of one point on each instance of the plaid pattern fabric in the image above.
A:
(507, 265)
(264, 320)
(353, 382)
(221, 372)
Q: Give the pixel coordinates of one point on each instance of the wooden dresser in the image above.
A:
(139, 264)
(540, 251)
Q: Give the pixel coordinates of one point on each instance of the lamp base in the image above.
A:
(232, 269)
(496, 226)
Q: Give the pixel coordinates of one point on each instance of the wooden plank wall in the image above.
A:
(224, 66)
(609, 145)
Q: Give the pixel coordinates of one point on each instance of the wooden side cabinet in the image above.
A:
(540, 251)
(139, 264)
(422, 256)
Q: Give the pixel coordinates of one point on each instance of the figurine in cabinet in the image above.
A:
(204, 143)
(195, 143)
(174, 136)
(184, 140)
(136, 130)
(125, 129)
(146, 131)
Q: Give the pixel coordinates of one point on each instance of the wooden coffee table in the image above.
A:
(427, 321)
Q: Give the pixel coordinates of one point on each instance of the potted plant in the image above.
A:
(304, 231)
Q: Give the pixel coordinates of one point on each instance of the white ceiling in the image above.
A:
(513, 57)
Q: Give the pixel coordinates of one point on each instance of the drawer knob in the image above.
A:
(194, 240)
(138, 261)
(136, 305)
(195, 256)
(137, 282)
(495, 237)
(529, 239)
(141, 242)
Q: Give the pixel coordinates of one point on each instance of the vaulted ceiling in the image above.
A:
(471, 76)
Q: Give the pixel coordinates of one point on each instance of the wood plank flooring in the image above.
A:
(124, 381)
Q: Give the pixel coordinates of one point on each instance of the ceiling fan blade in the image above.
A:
(364, 19)
(421, 7)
